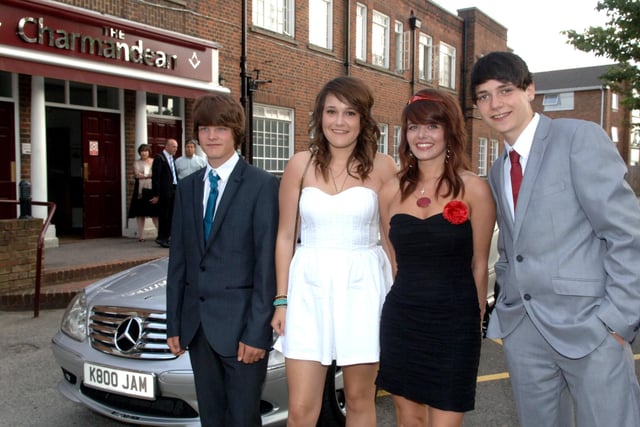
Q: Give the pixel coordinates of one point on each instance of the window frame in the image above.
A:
(286, 8)
(275, 114)
(328, 18)
(380, 23)
(447, 54)
(361, 32)
(425, 57)
(482, 156)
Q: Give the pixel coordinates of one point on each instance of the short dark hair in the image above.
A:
(219, 109)
(144, 147)
(191, 142)
(505, 67)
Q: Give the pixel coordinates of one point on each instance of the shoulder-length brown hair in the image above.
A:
(430, 106)
(357, 94)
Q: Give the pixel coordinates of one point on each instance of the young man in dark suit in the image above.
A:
(163, 187)
(221, 278)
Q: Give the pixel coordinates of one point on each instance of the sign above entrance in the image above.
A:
(57, 34)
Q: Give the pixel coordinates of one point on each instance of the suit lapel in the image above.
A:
(197, 209)
(230, 191)
(534, 163)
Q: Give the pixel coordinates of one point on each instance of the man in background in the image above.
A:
(163, 186)
(190, 161)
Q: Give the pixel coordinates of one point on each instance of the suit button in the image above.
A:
(202, 299)
(519, 258)
(527, 297)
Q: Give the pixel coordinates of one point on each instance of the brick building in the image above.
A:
(579, 93)
(84, 82)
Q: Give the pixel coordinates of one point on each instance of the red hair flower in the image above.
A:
(455, 212)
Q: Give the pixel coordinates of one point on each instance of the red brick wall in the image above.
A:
(18, 249)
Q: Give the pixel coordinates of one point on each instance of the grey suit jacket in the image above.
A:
(571, 258)
(226, 286)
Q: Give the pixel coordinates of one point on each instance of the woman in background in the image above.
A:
(140, 207)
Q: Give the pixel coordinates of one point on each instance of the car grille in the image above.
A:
(129, 332)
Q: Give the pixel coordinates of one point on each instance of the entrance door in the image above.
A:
(101, 175)
(159, 130)
(7, 161)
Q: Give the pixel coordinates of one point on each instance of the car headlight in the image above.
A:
(74, 321)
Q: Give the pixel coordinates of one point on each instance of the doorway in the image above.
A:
(7, 161)
(83, 172)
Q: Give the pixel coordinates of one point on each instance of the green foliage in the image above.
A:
(618, 40)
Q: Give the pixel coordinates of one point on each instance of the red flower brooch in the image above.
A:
(455, 212)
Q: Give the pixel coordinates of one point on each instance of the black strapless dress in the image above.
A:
(430, 333)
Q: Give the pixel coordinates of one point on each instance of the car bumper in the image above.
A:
(175, 403)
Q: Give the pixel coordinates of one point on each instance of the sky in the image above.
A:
(533, 29)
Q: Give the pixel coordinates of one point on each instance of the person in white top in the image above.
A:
(189, 162)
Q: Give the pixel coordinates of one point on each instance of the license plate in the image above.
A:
(129, 383)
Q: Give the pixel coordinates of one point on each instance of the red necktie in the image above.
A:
(516, 175)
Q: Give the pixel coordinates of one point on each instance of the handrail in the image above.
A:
(43, 231)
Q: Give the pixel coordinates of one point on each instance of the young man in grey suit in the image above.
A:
(221, 278)
(569, 247)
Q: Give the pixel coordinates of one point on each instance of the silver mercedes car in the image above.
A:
(112, 349)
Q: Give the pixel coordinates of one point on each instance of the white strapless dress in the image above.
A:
(338, 279)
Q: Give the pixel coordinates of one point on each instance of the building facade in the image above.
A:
(83, 83)
(579, 93)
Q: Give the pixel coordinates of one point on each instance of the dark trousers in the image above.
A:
(165, 214)
(228, 391)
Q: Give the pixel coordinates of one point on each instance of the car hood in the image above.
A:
(143, 286)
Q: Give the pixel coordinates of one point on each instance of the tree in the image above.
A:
(618, 40)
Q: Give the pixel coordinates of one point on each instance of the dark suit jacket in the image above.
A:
(570, 259)
(227, 285)
(161, 177)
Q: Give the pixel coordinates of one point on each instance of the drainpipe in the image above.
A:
(244, 90)
(602, 89)
(347, 39)
(414, 24)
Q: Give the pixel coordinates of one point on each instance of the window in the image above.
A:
(320, 23)
(495, 150)
(6, 86)
(383, 142)
(614, 134)
(272, 137)
(447, 75)
(614, 101)
(397, 132)
(399, 40)
(82, 94)
(425, 57)
(380, 40)
(274, 15)
(482, 157)
(551, 99)
(163, 105)
(558, 101)
(361, 32)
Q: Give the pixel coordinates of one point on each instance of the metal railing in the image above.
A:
(51, 208)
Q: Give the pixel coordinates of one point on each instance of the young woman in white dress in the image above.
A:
(330, 292)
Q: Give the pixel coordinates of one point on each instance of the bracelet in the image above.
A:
(281, 302)
(279, 297)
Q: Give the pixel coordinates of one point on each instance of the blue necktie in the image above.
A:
(211, 204)
(172, 166)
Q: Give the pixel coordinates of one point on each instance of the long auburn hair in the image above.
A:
(355, 93)
(432, 106)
